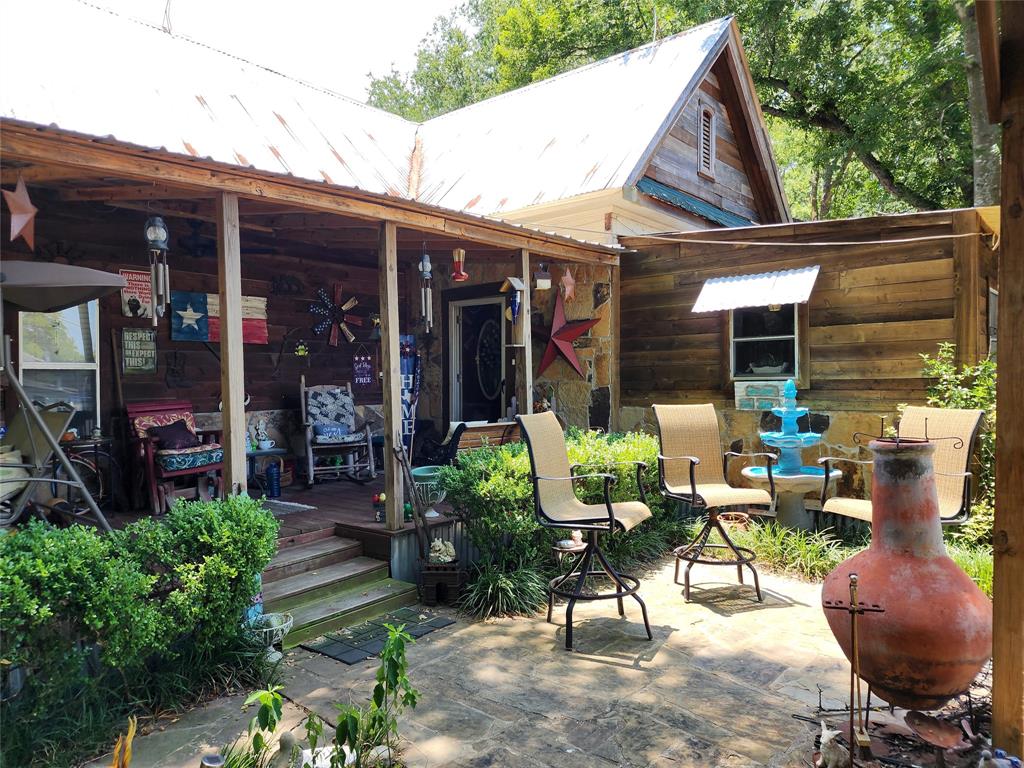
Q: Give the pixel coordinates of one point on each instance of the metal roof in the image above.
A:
(790, 286)
(578, 132)
(107, 75)
(692, 204)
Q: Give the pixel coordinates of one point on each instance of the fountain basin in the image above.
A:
(790, 489)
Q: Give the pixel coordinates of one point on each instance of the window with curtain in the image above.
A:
(59, 354)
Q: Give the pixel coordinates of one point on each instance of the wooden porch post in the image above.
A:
(232, 373)
(390, 366)
(525, 383)
(1008, 529)
(967, 312)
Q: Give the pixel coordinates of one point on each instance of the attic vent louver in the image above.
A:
(706, 149)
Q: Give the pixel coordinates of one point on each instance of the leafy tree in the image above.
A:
(877, 90)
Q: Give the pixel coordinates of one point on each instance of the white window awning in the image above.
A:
(789, 286)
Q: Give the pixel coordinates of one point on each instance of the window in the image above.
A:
(706, 142)
(59, 354)
(764, 342)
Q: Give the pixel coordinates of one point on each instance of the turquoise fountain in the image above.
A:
(793, 481)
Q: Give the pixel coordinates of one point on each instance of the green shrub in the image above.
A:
(495, 592)
(101, 622)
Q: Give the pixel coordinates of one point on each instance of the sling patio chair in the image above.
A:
(556, 506)
(692, 468)
(955, 431)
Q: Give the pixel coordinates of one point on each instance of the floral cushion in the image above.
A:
(142, 424)
(190, 458)
(330, 405)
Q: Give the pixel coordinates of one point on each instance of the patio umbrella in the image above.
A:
(33, 286)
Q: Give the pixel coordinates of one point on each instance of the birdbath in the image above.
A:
(792, 480)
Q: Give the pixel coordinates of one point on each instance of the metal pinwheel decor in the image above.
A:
(333, 315)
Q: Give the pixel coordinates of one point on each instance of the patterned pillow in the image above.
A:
(174, 437)
(331, 405)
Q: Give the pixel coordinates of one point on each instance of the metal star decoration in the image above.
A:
(23, 213)
(563, 334)
(568, 285)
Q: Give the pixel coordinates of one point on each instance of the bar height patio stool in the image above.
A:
(556, 506)
(692, 468)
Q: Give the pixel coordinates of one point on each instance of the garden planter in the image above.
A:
(936, 630)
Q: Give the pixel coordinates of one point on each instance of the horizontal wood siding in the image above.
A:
(675, 160)
(875, 308)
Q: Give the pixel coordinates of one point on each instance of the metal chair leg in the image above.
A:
(588, 555)
(618, 581)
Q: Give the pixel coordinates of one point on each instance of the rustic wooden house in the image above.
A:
(845, 307)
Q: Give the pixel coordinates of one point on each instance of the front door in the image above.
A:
(477, 359)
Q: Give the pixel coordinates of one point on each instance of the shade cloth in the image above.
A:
(39, 286)
(790, 286)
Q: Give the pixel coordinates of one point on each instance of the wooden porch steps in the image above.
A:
(326, 583)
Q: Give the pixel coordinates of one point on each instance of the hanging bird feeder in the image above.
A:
(459, 261)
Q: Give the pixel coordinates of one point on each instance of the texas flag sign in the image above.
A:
(196, 317)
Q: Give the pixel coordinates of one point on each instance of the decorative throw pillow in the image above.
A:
(174, 437)
(330, 430)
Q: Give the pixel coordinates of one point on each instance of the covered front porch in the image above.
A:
(262, 250)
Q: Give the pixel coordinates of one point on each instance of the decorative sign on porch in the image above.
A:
(137, 295)
(138, 350)
(362, 369)
(411, 373)
(758, 395)
(196, 317)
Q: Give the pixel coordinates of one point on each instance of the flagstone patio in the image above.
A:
(717, 687)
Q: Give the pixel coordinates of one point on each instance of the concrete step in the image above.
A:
(308, 556)
(348, 607)
(284, 594)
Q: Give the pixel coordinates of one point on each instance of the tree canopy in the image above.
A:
(867, 100)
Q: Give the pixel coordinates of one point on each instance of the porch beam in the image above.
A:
(526, 374)
(1008, 526)
(25, 144)
(232, 373)
(390, 366)
(134, 192)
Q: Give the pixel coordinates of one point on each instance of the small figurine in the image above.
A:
(441, 551)
(833, 754)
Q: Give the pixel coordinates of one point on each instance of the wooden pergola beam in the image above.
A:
(34, 145)
(42, 174)
(198, 211)
(1008, 526)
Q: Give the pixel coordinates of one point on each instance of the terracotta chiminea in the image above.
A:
(936, 631)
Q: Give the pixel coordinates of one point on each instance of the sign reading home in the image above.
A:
(138, 350)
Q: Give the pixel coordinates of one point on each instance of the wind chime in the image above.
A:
(426, 291)
(159, 271)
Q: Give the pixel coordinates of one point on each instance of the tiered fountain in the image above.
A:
(792, 480)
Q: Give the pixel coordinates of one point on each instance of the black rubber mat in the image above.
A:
(365, 641)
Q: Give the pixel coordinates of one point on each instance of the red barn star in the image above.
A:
(23, 213)
(563, 334)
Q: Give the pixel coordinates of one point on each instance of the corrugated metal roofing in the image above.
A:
(692, 204)
(790, 286)
(579, 132)
(87, 70)
(105, 75)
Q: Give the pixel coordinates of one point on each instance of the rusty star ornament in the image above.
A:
(568, 285)
(563, 334)
(23, 213)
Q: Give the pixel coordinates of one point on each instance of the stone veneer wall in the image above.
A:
(582, 402)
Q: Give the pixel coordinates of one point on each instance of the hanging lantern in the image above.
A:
(426, 291)
(459, 261)
(159, 271)
(542, 278)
